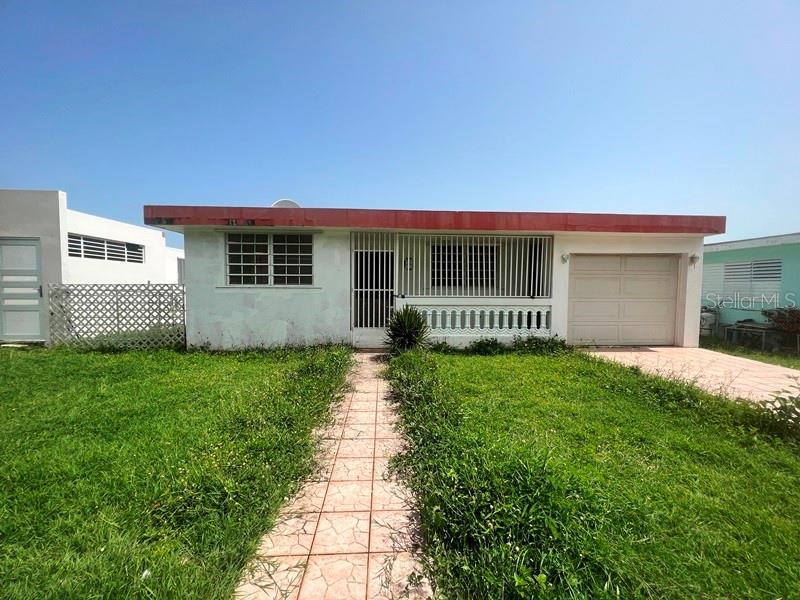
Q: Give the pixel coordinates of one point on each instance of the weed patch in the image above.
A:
(561, 475)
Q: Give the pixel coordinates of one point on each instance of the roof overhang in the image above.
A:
(760, 242)
(177, 218)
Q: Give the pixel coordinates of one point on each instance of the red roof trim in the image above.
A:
(362, 218)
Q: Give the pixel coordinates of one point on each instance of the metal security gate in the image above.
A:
(21, 290)
(372, 283)
(474, 266)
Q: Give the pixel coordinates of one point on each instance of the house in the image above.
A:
(741, 278)
(291, 275)
(43, 242)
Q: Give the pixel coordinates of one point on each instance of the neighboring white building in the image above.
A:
(275, 276)
(43, 242)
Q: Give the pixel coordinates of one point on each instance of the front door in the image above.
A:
(372, 286)
(21, 299)
(373, 289)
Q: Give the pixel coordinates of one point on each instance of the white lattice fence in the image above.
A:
(125, 316)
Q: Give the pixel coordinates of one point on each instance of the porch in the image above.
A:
(466, 286)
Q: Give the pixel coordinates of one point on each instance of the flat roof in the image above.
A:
(177, 218)
(767, 240)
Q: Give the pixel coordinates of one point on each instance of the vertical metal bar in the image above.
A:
(395, 274)
(418, 262)
(515, 278)
(522, 261)
(352, 282)
(513, 266)
(536, 256)
(477, 266)
(502, 262)
(549, 290)
(481, 252)
(405, 263)
(441, 265)
(542, 267)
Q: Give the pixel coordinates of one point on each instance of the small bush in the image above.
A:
(407, 330)
(779, 416)
(786, 320)
(486, 347)
(442, 348)
(540, 345)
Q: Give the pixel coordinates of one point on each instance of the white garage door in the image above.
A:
(622, 299)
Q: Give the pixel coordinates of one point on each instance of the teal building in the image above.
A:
(744, 277)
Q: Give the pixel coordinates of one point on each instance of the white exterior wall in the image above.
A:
(160, 262)
(690, 277)
(222, 316)
(37, 214)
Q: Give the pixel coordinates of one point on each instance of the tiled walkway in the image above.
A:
(348, 534)
(716, 372)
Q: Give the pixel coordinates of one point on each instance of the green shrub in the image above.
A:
(786, 320)
(486, 347)
(442, 348)
(540, 345)
(407, 330)
(533, 344)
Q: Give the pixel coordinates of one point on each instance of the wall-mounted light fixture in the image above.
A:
(565, 258)
(694, 259)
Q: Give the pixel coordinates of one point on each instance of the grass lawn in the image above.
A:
(568, 476)
(784, 359)
(150, 474)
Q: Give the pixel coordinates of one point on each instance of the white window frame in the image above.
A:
(267, 279)
(96, 248)
(749, 280)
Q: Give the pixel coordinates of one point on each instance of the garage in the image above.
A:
(622, 299)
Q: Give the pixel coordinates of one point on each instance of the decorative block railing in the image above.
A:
(125, 316)
(483, 320)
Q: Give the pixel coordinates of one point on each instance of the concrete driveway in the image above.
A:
(718, 373)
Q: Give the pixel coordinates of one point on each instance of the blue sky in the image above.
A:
(570, 106)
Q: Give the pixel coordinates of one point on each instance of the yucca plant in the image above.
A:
(406, 330)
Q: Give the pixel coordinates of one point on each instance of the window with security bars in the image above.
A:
(481, 266)
(447, 266)
(269, 259)
(292, 263)
(83, 246)
(248, 258)
(465, 266)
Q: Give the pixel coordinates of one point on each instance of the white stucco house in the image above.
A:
(43, 242)
(274, 276)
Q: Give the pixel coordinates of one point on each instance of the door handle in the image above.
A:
(40, 292)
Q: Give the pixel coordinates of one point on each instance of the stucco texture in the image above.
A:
(228, 317)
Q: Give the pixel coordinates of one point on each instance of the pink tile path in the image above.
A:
(347, 535)
(733, 376)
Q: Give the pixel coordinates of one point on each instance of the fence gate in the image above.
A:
(126, 316)
(372, 284)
